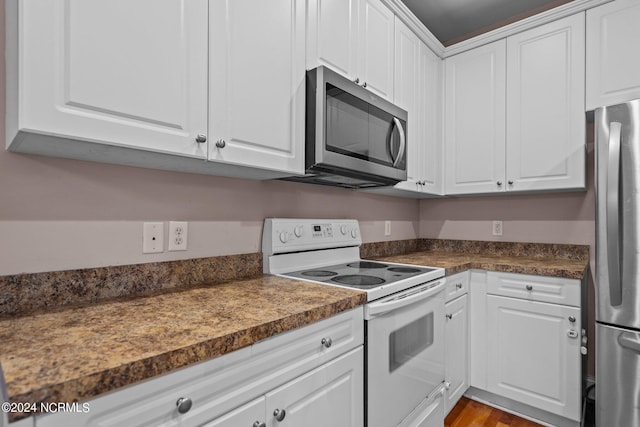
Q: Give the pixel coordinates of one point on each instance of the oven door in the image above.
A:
(405, 352)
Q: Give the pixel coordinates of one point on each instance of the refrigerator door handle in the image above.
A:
(613, 227)
(629, 341)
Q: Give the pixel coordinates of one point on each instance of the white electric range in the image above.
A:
(404, 315)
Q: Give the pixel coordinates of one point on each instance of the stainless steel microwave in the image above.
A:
(354, 138)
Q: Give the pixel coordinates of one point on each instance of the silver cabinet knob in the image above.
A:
(201, 138)
(529, 287)
(259, 424)
(510, 182)
(279, 414)
(221, 143)
(356, 80)
(572, 319)
(184, 404)
(458, 285)
(447, 385)
(499, 183)
(364, 84)
(448, 316)
(326, 342)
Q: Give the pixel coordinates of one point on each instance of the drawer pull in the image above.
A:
(326, 342)
(572, 319)
(279, 414)
(448, 316)
(184, 405)
(259, 424)
(529, 287)
(458, 285)
(572, 333)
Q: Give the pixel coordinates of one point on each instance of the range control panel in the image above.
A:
(284, 235)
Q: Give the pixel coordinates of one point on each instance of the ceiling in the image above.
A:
(452, 21)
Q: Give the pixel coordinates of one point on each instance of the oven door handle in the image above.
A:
(403, 299)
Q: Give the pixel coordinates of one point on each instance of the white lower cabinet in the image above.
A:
(534, 354)
(331, 395)
(309, 383)
(457, 351)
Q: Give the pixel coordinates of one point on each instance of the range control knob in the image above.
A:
(284, 237)
(298, 231)
(343, 230)
(354, 233)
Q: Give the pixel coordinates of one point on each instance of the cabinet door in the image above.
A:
(475, 120)
(332, 35)
(545, 99)
(406, 96)
(613, 68)
(257, 80)
(430, 110)
(457, 351)
(246, 415)
(375, 53)
(108, 72)
(331, 395)
(534, 354)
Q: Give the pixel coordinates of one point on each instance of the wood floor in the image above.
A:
(469, 413)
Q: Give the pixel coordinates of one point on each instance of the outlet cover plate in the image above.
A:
(178, 231)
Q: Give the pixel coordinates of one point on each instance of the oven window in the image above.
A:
(409, 341)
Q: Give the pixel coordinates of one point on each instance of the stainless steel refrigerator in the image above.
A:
(618, 265)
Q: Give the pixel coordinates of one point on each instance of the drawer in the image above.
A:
(457, 285)
(554, 290)
(219, 385)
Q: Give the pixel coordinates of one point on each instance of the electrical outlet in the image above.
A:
(497, 228)
(387, 228)
(152, 237)
(178, 231)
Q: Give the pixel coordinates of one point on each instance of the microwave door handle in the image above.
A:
(403, 143)
(612, 219)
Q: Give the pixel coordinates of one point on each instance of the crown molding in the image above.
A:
(423, 33)
(412, 21)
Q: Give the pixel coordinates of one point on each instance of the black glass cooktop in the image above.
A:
(360, 274)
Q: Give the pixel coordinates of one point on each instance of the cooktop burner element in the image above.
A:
(404, 270)
(358, 280)
(318, 273)
(367, 264)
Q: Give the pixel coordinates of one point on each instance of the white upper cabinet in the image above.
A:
(354, 38)
(257, 83)
(514, 113)
(545, 107)
(109, 73)
(406, 96)
(613, 65)
(376, 64)
(430, 88)
(475, 120)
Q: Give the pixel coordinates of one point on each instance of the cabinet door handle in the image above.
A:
(499, 183)
(326, 342)
(279, 414)
(510, 182)
(259, 424)
(184, 404)
(221, 143)
(201, 138)
(356, 80)
(364, 84)
(448, 316)
(458, 285)
(529, 287)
